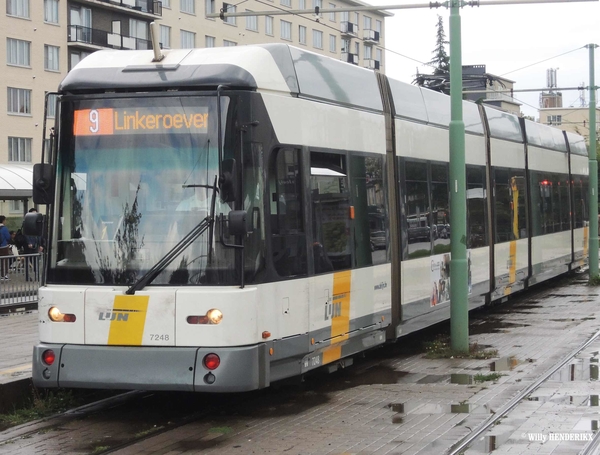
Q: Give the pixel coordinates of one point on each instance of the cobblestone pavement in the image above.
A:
(18, 334)
(398, 404)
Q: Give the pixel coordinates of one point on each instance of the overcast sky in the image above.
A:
(505, 38)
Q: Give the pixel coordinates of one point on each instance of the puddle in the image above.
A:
(576, 400)
(489, 443)
(504, 364)
(586, 424)
(578, 370)
(460, 378)
(493, 326)
(436, 408)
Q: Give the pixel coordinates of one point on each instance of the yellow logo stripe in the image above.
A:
(512, 273)
(340, 322)
(128, 320)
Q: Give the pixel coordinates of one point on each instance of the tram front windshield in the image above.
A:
(134, 177)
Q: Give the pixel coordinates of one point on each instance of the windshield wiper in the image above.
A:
(206, 223)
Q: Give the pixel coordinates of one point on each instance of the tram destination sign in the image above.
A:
(110, 121)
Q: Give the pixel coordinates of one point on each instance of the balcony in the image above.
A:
(372, 64)
(349, 29)
(371, 36)
(350, 58)
(143, 6)
(101, 38)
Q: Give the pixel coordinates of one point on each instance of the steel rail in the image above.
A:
(466, 441)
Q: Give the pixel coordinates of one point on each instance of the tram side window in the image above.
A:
(287, 221)
(476, 207)
(440, 208)
(330, 202)
(550, 205)
(418, 217)
(510, 219)
(580, 192)
(370, 210)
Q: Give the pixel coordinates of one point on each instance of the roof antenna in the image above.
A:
(158, 55)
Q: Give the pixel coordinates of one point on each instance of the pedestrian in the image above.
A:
(4, 249)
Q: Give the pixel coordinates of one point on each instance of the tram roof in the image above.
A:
(272, 67)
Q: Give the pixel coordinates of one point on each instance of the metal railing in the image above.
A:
(87, 35)
(145, 6)
(19, 280)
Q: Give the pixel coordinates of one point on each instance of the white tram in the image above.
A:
(226, 218)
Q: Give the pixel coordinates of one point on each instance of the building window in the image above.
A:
(51, 58)
(302, 34)
(332, 14)
(286, 3)
(51, 112)
(188, 6)
(19, 100)
(138, 29)
(18, 52)
(51, 11)
(18, 8)
(554, 119)
(317, 39)
(345, 45)
(229, 9)
(227, 43)
(286, 30)
(252, 23)
(379, 56)
(318, 3)
(166, 3)
(188, 40)
(332, 44)
(19, 149)
(209, 41)
(378, 26)
(165, 36)
(16, 206)
(367, 22)
(210, 6)
(368, 52)
(301, 4)
(356, 48)
(76, 57)
(269, 25)
(356, 21)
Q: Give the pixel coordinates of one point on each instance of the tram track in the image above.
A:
(226, 422)
(591, 448)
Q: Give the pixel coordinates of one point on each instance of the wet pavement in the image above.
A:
(394, 401)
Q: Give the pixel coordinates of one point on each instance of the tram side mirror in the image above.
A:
(237, 222)
(43, 183)
(228, 182)
(33, 224)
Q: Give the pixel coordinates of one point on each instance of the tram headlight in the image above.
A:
(212, 317)
(55, 315)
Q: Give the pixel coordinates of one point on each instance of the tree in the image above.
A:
(440, 79)
(440, 60)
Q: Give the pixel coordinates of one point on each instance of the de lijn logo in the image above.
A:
(116, 315)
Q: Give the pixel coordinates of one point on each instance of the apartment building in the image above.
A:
(573, 119)
(43, 43)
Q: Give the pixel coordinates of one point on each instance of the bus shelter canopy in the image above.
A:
(15, 181)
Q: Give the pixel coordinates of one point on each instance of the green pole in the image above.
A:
(459, 310)
(593, 259)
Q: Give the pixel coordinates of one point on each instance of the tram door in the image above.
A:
(288, 241)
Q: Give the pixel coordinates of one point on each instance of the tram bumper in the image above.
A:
(150, 368)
